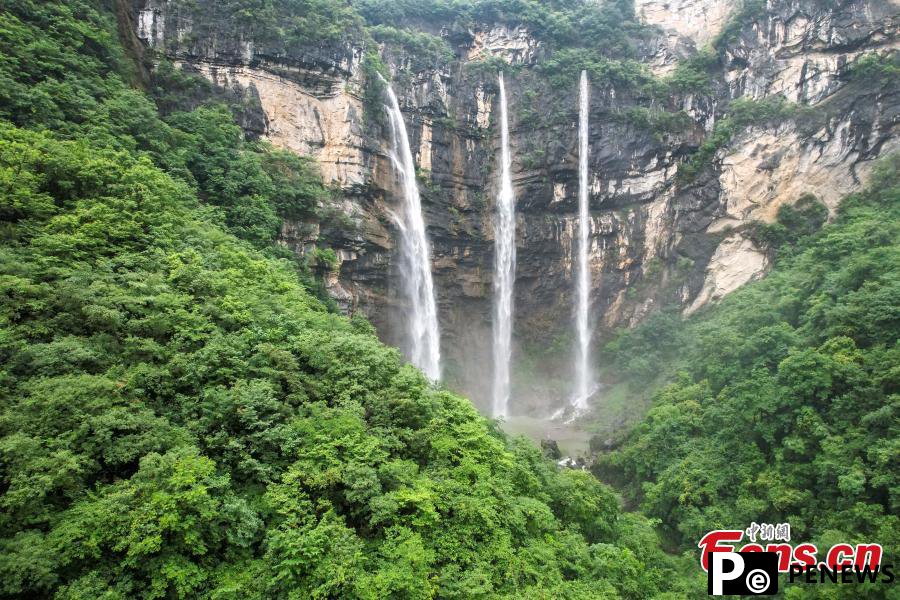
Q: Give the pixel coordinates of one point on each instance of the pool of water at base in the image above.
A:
(572, 440)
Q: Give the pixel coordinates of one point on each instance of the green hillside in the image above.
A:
(786, 396)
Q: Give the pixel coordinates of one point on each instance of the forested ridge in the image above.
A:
(183, 414)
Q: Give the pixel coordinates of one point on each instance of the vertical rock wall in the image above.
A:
(657, 238)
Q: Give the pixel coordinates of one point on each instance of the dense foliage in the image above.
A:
(786, 400)
(424, 49)
(73, 78)
(561, 23)
(575, 34)
(273, 23)
(180, 416)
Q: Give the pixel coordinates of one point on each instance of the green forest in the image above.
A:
(784, 398)
(184, 413)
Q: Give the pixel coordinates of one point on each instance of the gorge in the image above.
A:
(282, 283)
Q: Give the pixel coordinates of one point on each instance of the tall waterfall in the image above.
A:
(583, 374)
(415, 260)
(504, 268)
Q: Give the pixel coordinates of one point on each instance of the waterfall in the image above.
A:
(415, 260)
(504, 268)
(583, 376)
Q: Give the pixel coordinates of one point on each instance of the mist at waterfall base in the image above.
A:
(504, 269)
(422, 344)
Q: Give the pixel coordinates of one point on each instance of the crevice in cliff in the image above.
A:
(126, 29)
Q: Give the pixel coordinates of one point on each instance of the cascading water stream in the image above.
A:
(504, 268)
(415, 253)
(584, 385)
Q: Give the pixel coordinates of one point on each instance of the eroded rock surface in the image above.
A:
(698, 20)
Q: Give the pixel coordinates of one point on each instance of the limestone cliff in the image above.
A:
(658, 236)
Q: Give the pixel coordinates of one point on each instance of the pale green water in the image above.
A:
(572, 440)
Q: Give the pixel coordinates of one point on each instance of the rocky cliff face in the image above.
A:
(697, 20)
(658, 237)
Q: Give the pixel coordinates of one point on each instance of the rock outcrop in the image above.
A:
(698, 20)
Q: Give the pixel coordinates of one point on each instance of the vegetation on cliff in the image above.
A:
(785, 396)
